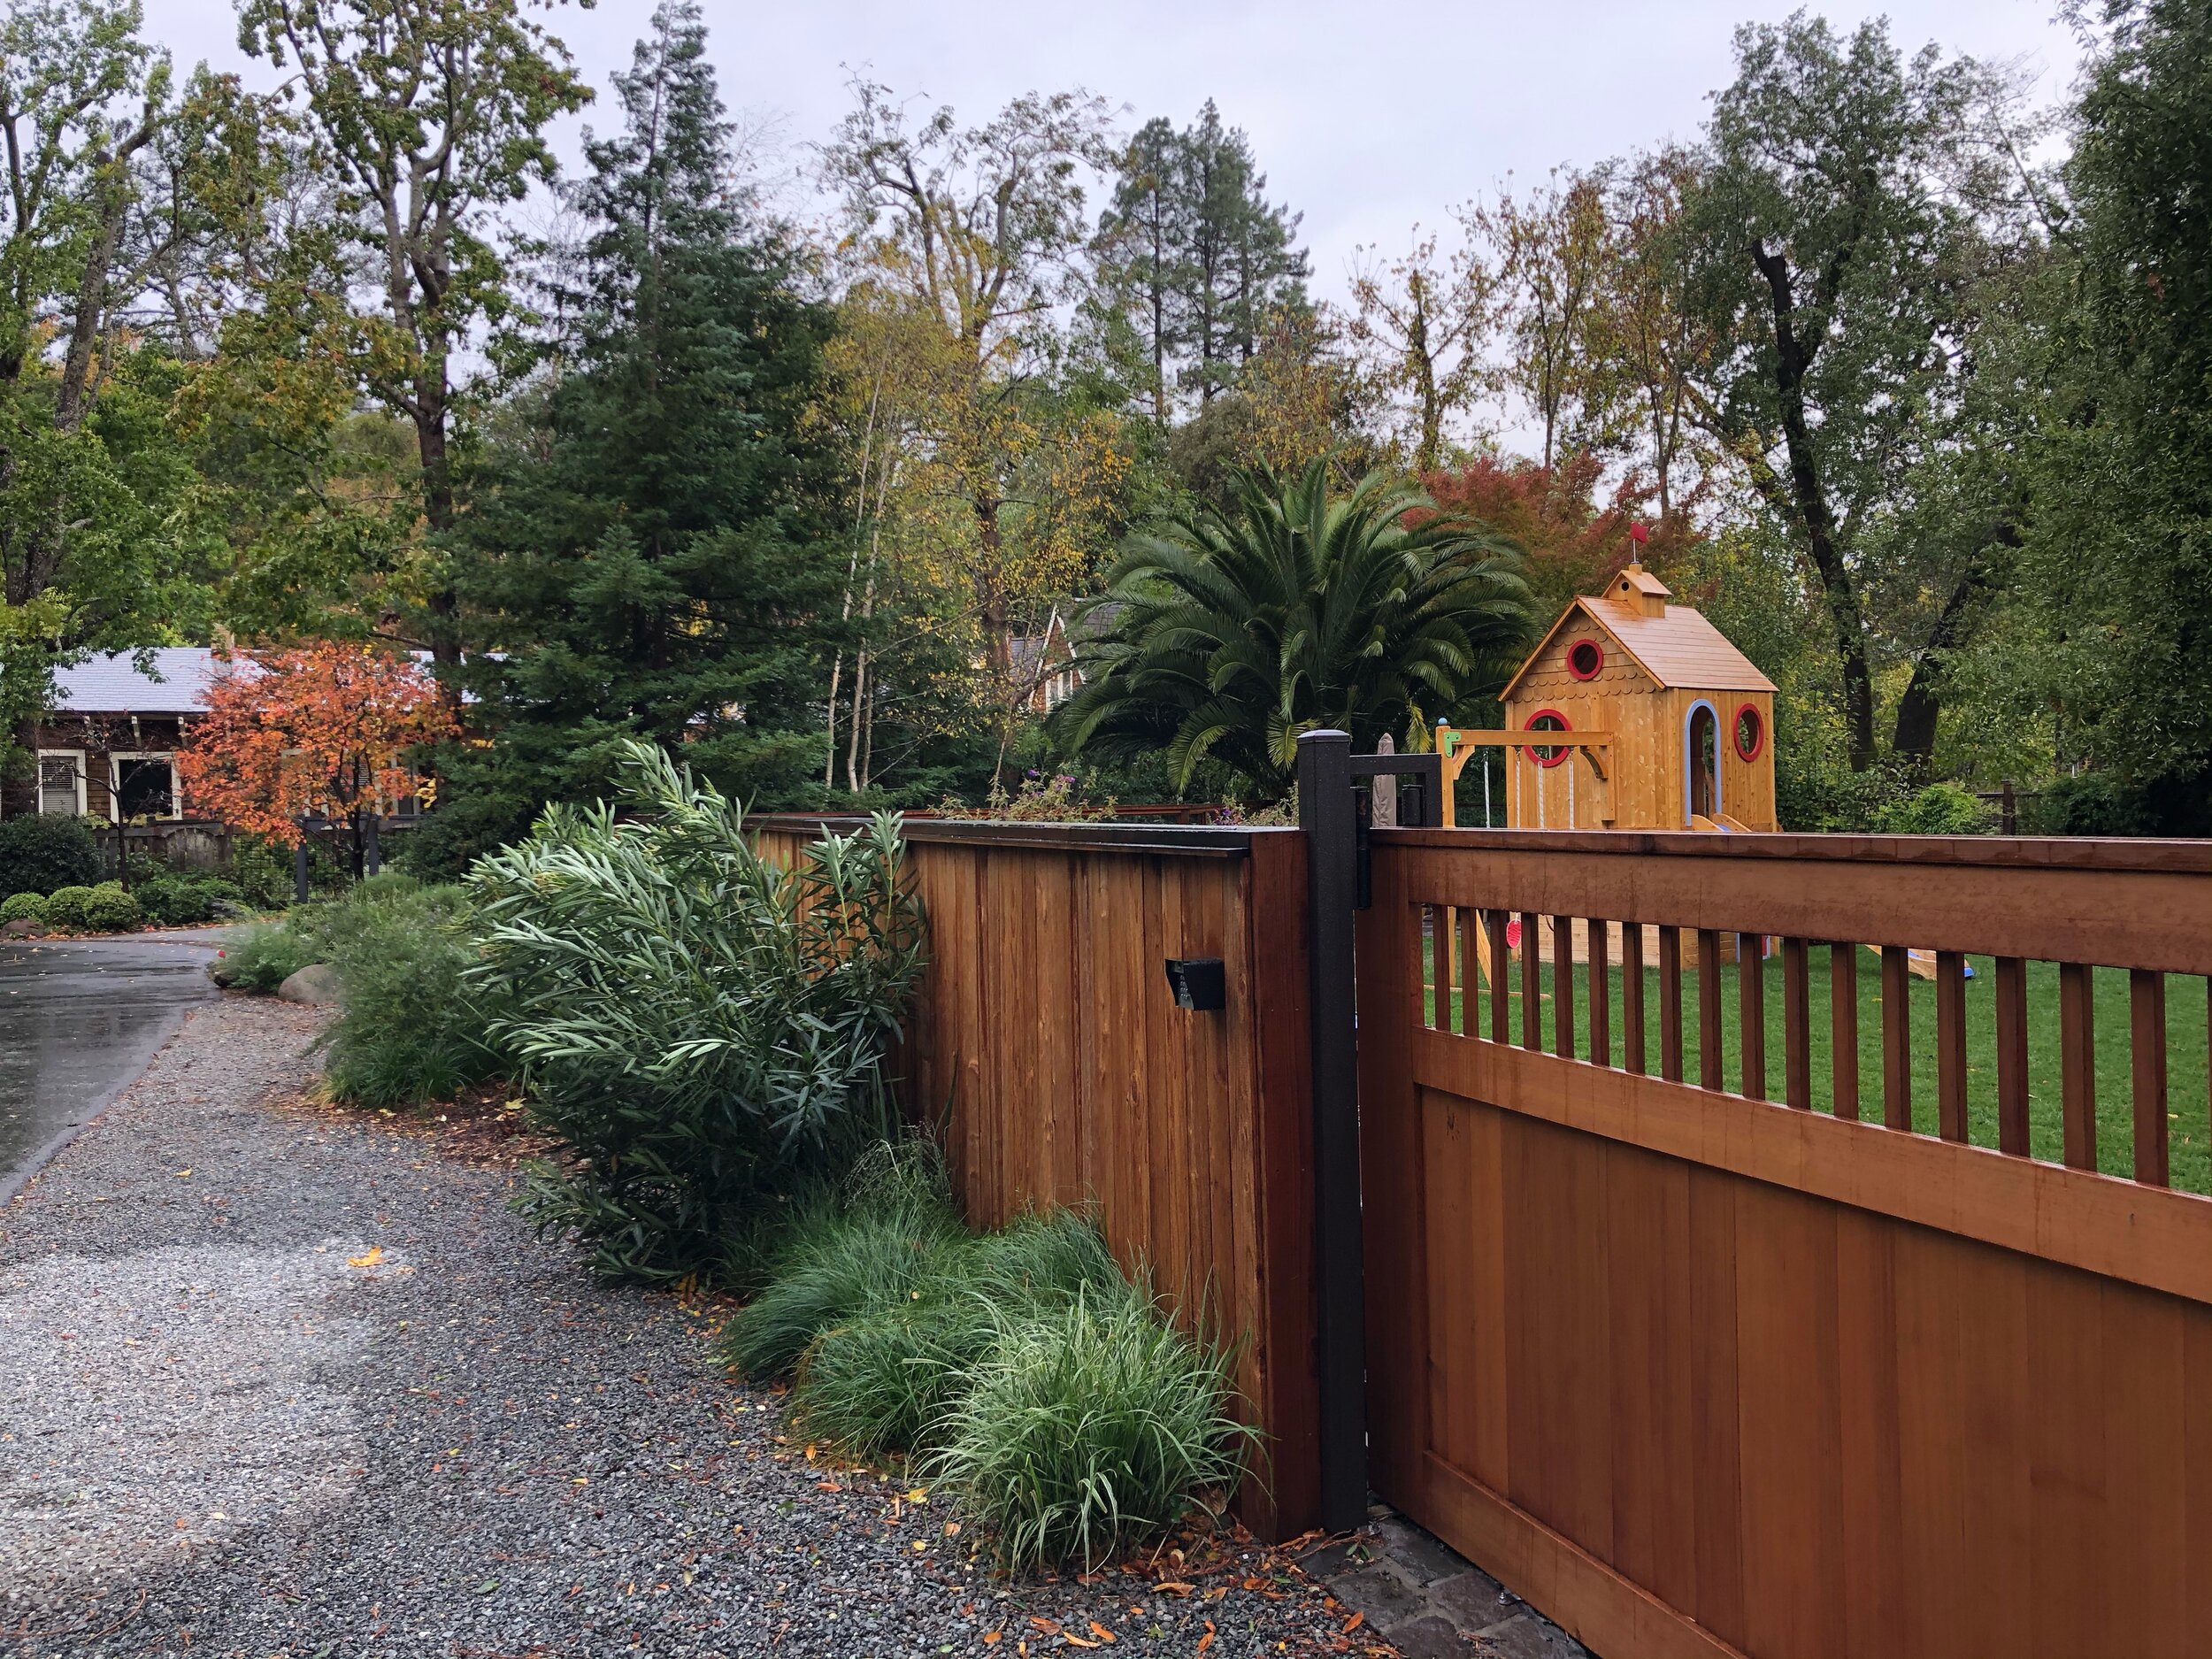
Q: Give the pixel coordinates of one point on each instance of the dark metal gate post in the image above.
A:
(1325, 812)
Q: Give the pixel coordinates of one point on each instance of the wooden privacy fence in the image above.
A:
(1047, 1045)
(1733, 1288)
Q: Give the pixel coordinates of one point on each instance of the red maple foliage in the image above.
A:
(1575, 541)
(317, 732)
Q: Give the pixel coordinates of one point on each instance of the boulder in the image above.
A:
(22, 927)
(314, 985)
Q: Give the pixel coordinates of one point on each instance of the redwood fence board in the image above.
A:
(1046, 1046)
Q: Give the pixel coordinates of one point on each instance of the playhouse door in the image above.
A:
(1704, 763)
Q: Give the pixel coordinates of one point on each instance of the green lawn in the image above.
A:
(2190, 1135)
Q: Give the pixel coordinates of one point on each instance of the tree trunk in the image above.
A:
(1793, 359)
(1913, 739)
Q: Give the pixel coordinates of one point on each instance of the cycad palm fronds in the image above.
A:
(1237, 630)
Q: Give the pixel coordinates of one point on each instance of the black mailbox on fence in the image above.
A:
(1198, 982)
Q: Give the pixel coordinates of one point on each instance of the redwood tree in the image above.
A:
(319, 732)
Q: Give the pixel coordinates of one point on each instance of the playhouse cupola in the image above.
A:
(1639, 589)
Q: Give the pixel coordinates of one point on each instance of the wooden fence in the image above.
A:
(1734, 1288)
(1047, 1045)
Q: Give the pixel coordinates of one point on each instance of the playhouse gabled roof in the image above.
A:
(1678, 649)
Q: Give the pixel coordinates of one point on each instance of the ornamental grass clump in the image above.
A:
(1021, 1369)
(703, 1030)
(411, 1027)
(1086, 1428)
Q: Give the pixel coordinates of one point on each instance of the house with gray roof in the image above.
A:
(107, 747)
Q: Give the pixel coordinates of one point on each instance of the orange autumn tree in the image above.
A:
(319, 732)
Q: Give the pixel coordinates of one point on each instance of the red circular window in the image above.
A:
(1751, 731)
(1585, 658)
(1548, 720)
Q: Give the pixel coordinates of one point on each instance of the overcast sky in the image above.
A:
(1368, 115)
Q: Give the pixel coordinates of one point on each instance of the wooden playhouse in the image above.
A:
(1668, 725)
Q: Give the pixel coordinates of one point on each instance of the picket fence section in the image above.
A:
(1741, 1275)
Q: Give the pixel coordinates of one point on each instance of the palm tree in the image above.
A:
(1232, 630)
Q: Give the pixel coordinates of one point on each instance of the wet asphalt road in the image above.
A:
(78, 1018)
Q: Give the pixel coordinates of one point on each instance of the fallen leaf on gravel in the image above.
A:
(1077, 1641)
(1207, 1640)
(1044, 1624)
(1173, 1588)
(828, 1485)
(370, 1258)
(1101, 1632)
(182, 1174)
(1354, 1622)
(991, 1638)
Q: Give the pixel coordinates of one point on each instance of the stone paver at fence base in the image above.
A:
(280, 1380)
(1427, 1601)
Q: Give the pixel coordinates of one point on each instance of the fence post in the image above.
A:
(1325, 813)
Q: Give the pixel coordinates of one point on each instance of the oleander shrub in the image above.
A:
(23, 907)
(705, 1031)
(41, 851)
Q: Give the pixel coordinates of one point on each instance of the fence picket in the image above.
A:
(1797, 1048)
(1601, 995)
(1843, 1028)
(1951, 1045)
(1670, 1004)
(1897, 1037)
(1500, 997)
(2012, 1056)
(2146, 1008)
(1563, 987)
(1632, 997)
(2078, 1063)
(1532, 984)
(1709, 1074)
(1751, 1008)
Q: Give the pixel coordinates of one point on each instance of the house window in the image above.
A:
(1548, 720)
(1751, 733)
(61, 781)
(1586, 658)
(145, 787)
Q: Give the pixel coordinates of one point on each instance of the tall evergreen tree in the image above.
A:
(1196, 255)
(1144, 240)
(647, 559)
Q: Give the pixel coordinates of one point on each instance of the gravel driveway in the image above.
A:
(275, 1380)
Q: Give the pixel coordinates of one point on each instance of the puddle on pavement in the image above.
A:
(76, 1019)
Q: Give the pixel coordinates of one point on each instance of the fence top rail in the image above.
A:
(1187, 840)
(2162, 858)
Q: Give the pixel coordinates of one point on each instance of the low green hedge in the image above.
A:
(102, 908)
